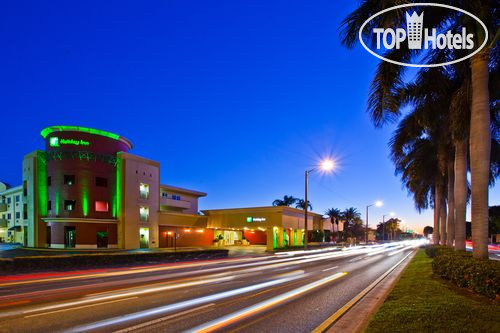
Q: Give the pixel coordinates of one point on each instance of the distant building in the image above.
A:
(12, 214)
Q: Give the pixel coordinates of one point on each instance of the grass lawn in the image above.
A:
(421, 302)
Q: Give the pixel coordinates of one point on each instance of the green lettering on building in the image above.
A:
(57, 142)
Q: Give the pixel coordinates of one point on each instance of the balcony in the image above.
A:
(3, 207)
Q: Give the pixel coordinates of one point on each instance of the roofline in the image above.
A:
(183, 190)
(63, 128)
(262, 208)
(12, 189)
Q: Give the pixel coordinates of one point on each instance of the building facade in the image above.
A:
(86, 190)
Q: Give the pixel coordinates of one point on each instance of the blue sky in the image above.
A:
(233, 98)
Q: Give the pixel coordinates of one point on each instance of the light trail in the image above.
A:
(185, 304)
(264, 305)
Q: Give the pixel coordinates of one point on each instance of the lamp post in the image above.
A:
(376, 204)
(383, 224)
(327, 166)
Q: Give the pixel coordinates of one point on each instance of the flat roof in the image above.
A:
(263, 208)
(183, 190)
(64, 128)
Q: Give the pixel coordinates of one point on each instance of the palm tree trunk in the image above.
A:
(460, 193)
(442, 219)
(480, 146)
(437, 201)
(450, 225)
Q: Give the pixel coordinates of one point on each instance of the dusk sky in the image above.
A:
(233, 98)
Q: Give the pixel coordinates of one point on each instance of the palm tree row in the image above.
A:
(289, 200)
(351, 218)
(452, 123)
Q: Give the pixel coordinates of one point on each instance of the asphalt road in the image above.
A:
(289, 292)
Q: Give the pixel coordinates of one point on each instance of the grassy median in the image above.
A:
(421, 302)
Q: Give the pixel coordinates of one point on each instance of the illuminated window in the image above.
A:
(69, 205)
(101, 182)
(69, 180)
(144, 213)
(144, 190)
(101, 206)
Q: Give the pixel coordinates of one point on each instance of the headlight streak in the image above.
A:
(184, 304)
(244, 313)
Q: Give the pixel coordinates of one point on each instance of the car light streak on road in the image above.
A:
(185, 304)
(244, 313)
(126, 294)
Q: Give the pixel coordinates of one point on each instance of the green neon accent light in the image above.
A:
(295, 237)
(285, 243)
(41, 179)
(249, 219)
(85, 198)
(118, 190)
(57, 204)
(52, 129)
(275, 239)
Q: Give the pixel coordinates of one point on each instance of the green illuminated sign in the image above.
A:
(56, 142)
(256, 219)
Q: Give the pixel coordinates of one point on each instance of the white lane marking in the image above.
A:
(162, 319)
(327, 269)
(79, 307)
(243, 313)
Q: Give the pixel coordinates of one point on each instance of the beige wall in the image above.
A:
(136, 170)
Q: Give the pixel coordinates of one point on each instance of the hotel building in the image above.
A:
(86, 190)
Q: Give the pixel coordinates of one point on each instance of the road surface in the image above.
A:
(287, 292)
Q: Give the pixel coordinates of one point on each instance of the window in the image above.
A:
(18, 197)
(101, 206)
(49, 181)
(9, 200)
(18, 215)
(164, 194)
(69, 180)
(25, 211)
(49, 205)
(176, 197)
(101, 182)
(144, 213)
(9, 216)
(69, 205)
(144, 190)
(25, 188)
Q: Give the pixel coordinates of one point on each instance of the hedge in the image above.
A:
(65, 262)
(459, 267)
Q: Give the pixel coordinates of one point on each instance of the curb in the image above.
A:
(366, 303)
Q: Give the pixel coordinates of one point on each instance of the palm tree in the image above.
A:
(301, 204)
(287, 200)
(383, 103)
(335, 215)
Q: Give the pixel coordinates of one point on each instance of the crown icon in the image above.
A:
(414, 25)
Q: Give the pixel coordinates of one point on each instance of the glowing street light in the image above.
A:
(377, 203)
(326, 165)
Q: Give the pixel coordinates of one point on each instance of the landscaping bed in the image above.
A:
(101, 260)
(423, 302)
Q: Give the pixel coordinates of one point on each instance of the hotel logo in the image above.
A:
(417, 37)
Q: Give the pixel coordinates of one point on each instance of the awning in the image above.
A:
(15, 228)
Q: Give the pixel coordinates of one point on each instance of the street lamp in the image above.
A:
(383, 224)
(326, 165)
(377, 203)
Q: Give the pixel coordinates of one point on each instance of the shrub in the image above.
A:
(434, 250)
(480, 275)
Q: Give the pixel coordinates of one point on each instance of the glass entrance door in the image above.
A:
(143, 238)
(69, 237)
